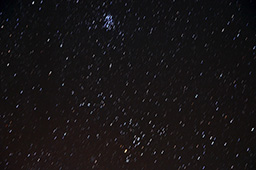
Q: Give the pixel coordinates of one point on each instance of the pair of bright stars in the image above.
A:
(109, 22)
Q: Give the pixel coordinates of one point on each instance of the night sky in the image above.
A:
(137, 84)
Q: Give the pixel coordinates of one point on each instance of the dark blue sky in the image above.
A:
(127, 84)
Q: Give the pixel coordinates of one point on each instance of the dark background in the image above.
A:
(171, 85)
